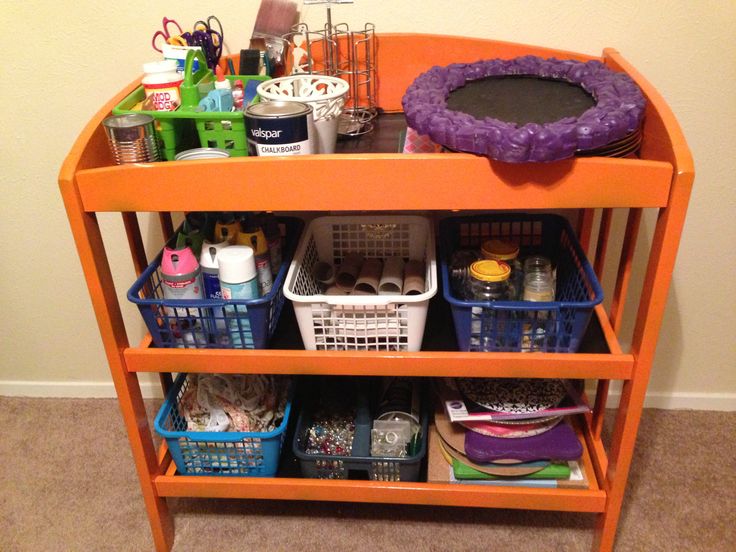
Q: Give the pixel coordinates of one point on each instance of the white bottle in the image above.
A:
(161, 83)
(238, 280)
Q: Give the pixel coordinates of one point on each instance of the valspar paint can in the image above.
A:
(279, 128)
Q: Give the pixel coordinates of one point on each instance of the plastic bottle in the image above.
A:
(238, 94)
(226, 228)
(238, 280)
(508, 252)
(252, 235)
(161, 82)
(273, 239)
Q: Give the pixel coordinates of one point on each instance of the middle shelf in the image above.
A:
(599, 356)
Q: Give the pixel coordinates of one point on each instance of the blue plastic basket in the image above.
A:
(525, 326)
(218, 453)
(204, 323)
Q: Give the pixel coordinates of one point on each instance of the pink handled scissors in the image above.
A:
(166, 35)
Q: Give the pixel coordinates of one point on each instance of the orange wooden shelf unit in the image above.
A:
(659, 178)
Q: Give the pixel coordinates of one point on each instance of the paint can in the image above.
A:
(201, 153)
(279, 128)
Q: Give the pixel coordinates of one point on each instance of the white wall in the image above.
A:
(68, 58)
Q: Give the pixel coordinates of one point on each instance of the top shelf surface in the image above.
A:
(369, 173)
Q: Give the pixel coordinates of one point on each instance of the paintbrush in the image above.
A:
(275, 19)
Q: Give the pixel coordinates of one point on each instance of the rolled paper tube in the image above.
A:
(414, 278)
(347, 274)
(369, 277)
(392, 277)
(334, 290)
(324, 274)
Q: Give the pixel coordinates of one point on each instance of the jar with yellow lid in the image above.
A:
(506, 251)
(489, 281)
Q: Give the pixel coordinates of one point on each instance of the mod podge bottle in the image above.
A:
(161, 82)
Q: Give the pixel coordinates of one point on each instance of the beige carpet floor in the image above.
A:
(67, 483)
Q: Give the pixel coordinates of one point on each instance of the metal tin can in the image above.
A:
(279, 128)
(201, 153)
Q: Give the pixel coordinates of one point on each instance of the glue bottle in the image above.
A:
(161, 83)
(252, 235)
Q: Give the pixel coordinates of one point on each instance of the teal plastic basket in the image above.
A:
(218, 453)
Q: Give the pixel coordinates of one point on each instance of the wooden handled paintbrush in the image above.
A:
(275, 19)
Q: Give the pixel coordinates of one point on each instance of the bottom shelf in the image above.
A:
(289, 486)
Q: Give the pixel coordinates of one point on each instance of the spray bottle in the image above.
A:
(252, 235)
(238, 280)
(226, 228)
(181, 280)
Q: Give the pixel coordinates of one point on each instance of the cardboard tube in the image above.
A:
(324, 274)
(414, 278)
(392, 277)
(347, 274)
(369, 277)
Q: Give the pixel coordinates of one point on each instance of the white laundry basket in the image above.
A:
(361, 322)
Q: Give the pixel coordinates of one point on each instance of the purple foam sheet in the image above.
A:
(618, 110)
(559, 443)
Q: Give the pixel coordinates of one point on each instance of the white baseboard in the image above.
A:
(152, 390)
(723, 402)
(72, 389)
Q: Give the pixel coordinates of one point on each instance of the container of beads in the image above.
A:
(332, 439)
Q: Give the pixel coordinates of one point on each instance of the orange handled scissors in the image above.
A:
(166, 35)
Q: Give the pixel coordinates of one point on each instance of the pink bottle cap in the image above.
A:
(177, 262)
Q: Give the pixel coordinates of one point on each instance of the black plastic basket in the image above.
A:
(513, 326)
(359, 464)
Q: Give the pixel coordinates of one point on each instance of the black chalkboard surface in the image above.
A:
(521, 99)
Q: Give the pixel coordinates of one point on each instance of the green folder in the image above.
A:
(552, 471)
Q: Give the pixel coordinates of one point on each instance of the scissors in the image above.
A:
(208, 38)
(166, 35)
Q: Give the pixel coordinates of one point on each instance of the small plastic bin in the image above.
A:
(227, 453)
(205, 323)
(361, 322)
(186, 128)
(525, 326)
(359, 464)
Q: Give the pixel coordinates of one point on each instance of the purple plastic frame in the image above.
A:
(618, 111)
